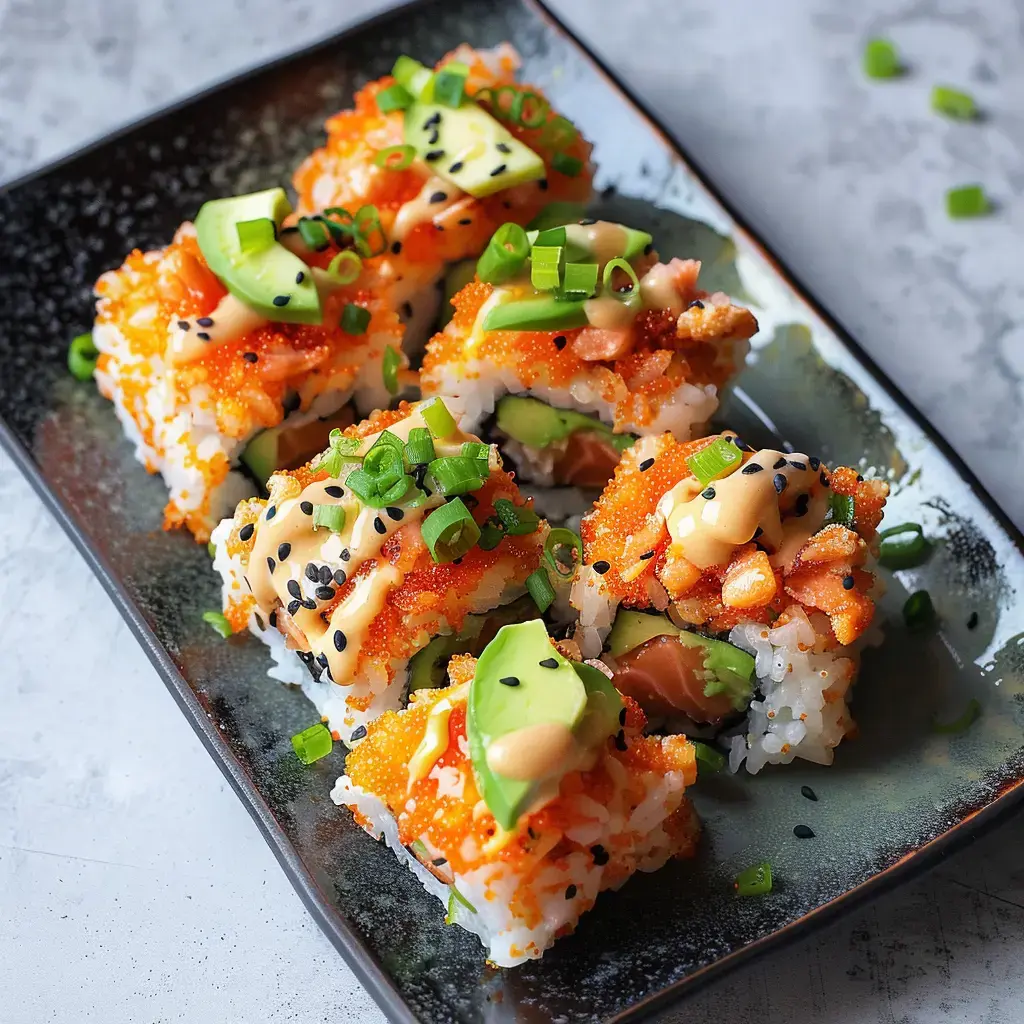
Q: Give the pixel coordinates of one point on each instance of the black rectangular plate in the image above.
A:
(896, 797)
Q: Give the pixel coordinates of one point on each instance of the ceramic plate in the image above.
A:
(897, 795)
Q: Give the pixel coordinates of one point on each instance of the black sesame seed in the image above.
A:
(800, 506)
(779, 464)
(306, 507)
(202, 335)
(509, 680)
(434, 137)
(325, 593)
(184, 325)
(806, 791)
(395, 513)
(378, 525)
(465, 221)
(273, 619)
(455, 167)
(433, 156)
(587, 221)
(310, 604)
(560, 342)
(396, 247)
(294, 589)
(849, 582)
(434, 118)
(548, 663)
(543, 184)
(779, 482)
(860, 479)
(600, 855)
(500, 169)
(646, 555)
(294, 606)
(271, 564)
(439, 197)
(742, 445)
(802, 466)
(300, 277)
(503, 147)
(803, 832)
(815, 462)
(205, 321)
(439, 862)
(823, 478)
(340, 577)
(250, 357)
(334, 491)
(646, 465)
(620, 740)
(283, 551)
(696, 304)
(751, 468)
(246, 532)
(358, 733)
(271, 512)
(570, 892)
(972, 622)
(345, 554)
(340, 640)
(324, 575)
(282, 300)
(602, 567)
(708, 492)
(312, 572)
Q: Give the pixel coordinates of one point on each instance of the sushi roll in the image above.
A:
(577, 339)
(726, 588)
(405, 531)
(521, 791)
(234, 350)
(444, 158)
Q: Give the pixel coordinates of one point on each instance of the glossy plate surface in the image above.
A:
(897, 795)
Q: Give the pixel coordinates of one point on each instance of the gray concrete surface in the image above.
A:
(133, 887)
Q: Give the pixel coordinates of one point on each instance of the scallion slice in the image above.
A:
(881, 59)
(630, 297)
(82, 356)
(354, 319)
(339, 222)
(449, 531)
(490, 536)
(754, 881)
(413, 76)
(341, 449)
(449, 87)
(565, 164)
(459, 898)
(841, 509)
(390, 362)
(314, 234)
(579, 280)
(538, 586)
(903, 546)
(456, 474)
(555, 236)
(419, 449)
(395, 158)
(331, 517)
(211, 549)
(529, 110)
(313, 743)
(718, 459)
(439, 420)
(967, 201)
(918, 611)
(557, 544)
(480, 453)
(546, 267)
(961, 724)
(709, 756)
(501, 100)
(953, 103)
(505, 255)
(219, 623)
(256, 235)
(517, 520)
(370, 240)
(394, 97)
(454, 896)
(559, 133)
(345, 267)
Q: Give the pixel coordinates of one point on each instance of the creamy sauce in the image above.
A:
(603, 239)
(658, 289)
(609, 314)
(533, 753)
(421, 210)
(231, 320)
(707, 530)
(433, 744)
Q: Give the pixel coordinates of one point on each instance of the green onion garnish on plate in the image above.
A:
(456, 474)
(82, 356)
(538, 585)
(918, 611)
(517, 520)
(219, 623)
(313, 743)
(953, 103)
(438, 419)
(419, 449)
(345, 268)
(256, 235)
(754, 881)
(961, 724)
(505, 255)
(718, 459)
(394, 97)
(389, 365)
(332, 517)
(903, 546)
(563, 551)
(881, 59)
(449, 531)
(709, 756)
(568, 165)
(354, 319)
(967, 201)
(395, 158)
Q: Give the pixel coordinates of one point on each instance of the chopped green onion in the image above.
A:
(390, 363)
(967, 201)
(437, 417)
(413, 76)
(313, 743)
(918, 611)
(211, 549)
(559, 133)
(565, 164)
(881, 59)
(538, 585)
(395, 158)
(630, 297)
(256, 235)
(354, 319)
(561, 539)
(449, 87)
(419, 449)
(314, 234)
(719, 459)
(903, 546)
(345, 268)
(346, 445)
(332, 517)
(387, 439)
(454, 896)
(555, 236)
(953, 103)
(449, 531)
(385, 463)
(341, 230)
(480, 453)
(455, 474)
(961, 724)
(219, 623)
(490, 536)
(370, 240)
(375, 492)
(419, 848)
(462, 899)
(505, 255)
(546, 267)
(529, 110)
(396, 492)
(394, 97)
(755, 881)
(517, 520)
(341, 449)
(707, 755)
(501, 100)
(82, 356)
(841, 510)
(580, 279)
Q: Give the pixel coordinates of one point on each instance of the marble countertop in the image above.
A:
(133, 886)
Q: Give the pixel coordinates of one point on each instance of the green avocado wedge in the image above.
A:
(545, 313)
(270, 279)
(537, 424)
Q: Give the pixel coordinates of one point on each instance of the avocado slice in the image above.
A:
(512, 690)
(470, 148)
(603, 706)
(555, 215)
(273, 281)
(578, 239)
(537, 424)
(545, 313)
(456, 278)
(288, 446)
(727, 668)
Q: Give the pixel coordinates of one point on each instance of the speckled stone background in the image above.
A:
(133, 886)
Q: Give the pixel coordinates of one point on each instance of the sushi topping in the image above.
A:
(218, 622)
(754, 881)
(82, 357)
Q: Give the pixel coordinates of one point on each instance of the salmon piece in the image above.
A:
(849, 609)
(593, 344)
(589, 460)
(665, 676)
(749, 581)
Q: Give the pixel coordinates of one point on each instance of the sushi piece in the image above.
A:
(235, 349)
(520, 792)
(725, 585)
(444, 159)
(577, 339)
(399, 534)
